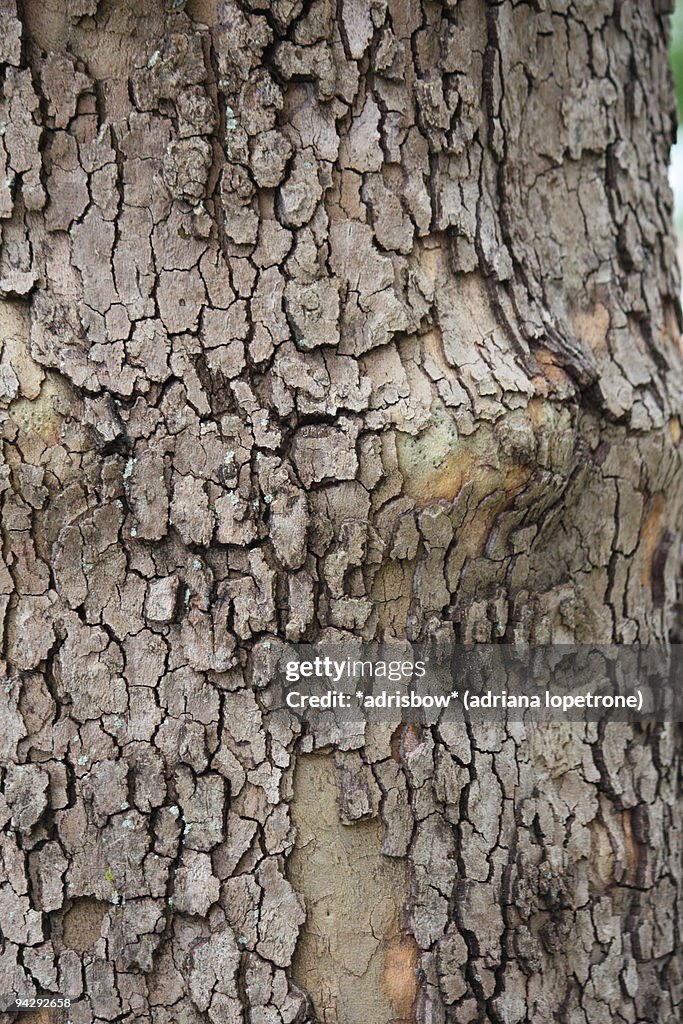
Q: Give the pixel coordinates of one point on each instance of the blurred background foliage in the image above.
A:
(677, 52)
(676, 171)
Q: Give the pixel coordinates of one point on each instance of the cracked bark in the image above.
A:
(325, 320)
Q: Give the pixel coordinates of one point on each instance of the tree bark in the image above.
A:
(330, 320)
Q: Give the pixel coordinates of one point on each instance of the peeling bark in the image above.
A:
(323, 321)
(354, 956)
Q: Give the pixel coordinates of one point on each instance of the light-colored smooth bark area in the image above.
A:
(332, 320)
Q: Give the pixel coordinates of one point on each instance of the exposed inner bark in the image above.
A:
(83, 924)
(353, 956)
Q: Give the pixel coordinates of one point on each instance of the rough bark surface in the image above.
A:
(320, 320)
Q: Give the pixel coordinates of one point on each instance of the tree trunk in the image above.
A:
(351, 319)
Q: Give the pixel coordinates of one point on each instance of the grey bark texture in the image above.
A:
(326, 320)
